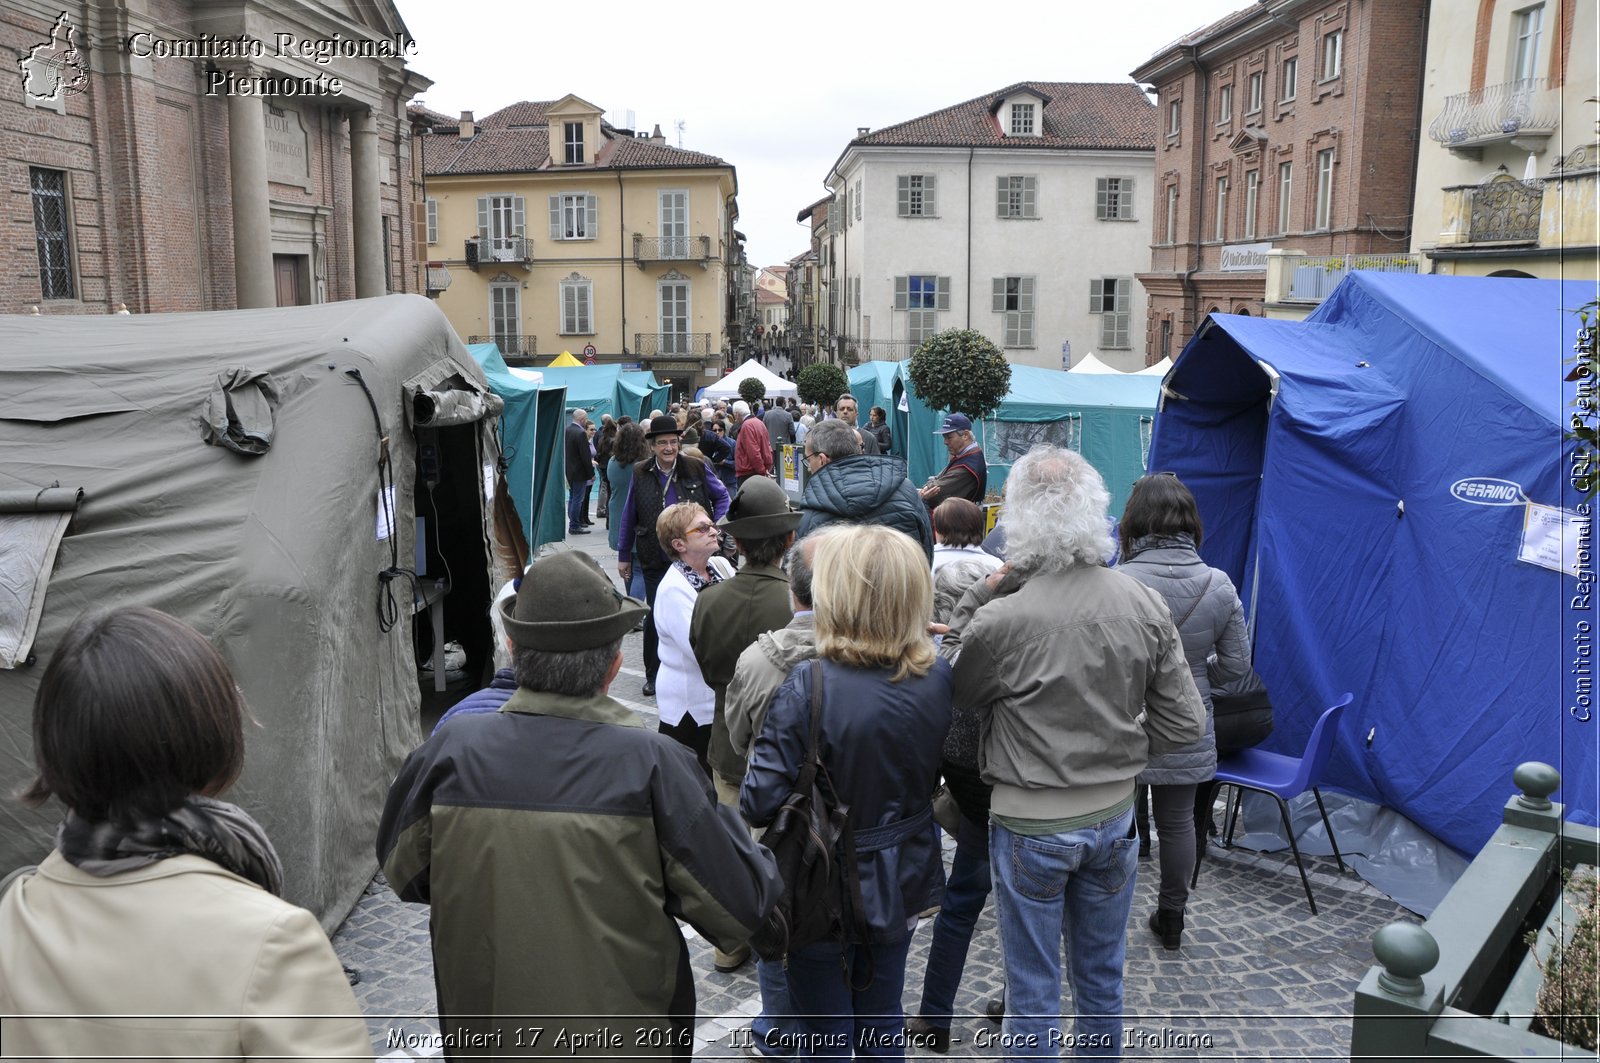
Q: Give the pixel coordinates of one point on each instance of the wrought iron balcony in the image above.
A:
(438, 277)
(516, 250)
(1500, 210)
(514, 349)
(1524, 113)
(669, 344)
(671, 249)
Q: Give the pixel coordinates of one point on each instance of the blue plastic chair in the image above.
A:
(1284, 777)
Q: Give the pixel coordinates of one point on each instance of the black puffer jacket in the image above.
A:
(866, 489)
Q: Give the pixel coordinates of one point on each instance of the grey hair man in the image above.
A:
(1064, 739)
(844, 485)
(848, 410)
(565, 778)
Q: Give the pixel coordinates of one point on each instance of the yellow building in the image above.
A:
(549, 230)
(1508, 186)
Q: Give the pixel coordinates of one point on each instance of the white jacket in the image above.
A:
(680, 689)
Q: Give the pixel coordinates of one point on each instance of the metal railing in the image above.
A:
(1504, 209)
(1312, 278)
(655, 344)
(1529, 107)
(515, 249)
(851, 348)
(671, 249)
(438, 278)
(511, 346)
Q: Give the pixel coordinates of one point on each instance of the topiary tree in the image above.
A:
(960, 370)
(752, 390)
(821, 384)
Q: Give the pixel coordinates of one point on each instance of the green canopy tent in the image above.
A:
(530, 430)
(259, 474)
(1108, 419)
(657, 395)
(872, 383)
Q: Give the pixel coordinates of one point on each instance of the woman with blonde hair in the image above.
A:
(885, 707)
(689, 538)
(159, 899)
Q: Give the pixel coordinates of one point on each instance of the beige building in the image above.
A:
(548, 229)
(1506, 181)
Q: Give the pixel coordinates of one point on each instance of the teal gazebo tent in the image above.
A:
(530, 428)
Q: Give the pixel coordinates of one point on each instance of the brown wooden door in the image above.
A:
(287, 271)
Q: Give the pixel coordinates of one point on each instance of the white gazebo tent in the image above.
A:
(1159, 369)
(1091, 364)
(728, 386)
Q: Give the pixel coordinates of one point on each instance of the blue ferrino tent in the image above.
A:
(1373, 478)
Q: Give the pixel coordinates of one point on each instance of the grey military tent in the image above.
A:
(258, 474)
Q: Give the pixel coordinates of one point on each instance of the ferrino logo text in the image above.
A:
(1488, 491)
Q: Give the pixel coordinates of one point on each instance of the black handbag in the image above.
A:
(1241, 712)
(811, 840)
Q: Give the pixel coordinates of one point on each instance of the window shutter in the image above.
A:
(1025, 296)
(1124, 294)
(1108, 331)
(1030, 196)
(1125, 197)
(591, 218)
(584, 291)
(1097, 294)
(901, 299)
(999, 295)
(903, 193)
(1102, 199)
(1025, 330)
(555, 217)
(930, 196)
(1002, 196)
(519, 216)
(483, 222)
(431, 221)
(943, 302)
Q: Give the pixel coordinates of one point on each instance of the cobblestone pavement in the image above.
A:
(1258, 977)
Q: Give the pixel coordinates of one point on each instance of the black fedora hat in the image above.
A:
(567, 603)
(664, 425)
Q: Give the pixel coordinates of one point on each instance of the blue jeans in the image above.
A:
(964, 894)
(773, 1028)
(1075, 886)
(831, 1018)
(576, 494)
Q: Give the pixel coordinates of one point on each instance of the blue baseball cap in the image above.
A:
(953, 422)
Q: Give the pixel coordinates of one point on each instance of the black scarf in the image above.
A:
(201, 826)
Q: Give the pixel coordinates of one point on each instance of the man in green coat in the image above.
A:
(558, 842)
(730, 615)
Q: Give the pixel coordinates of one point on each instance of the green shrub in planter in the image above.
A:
(1569, 999)
(960, 370)
(752, 390)
(821, 384)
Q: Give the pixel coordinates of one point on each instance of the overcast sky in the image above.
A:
(778, 89)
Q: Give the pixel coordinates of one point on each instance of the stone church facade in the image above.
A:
(180, 155)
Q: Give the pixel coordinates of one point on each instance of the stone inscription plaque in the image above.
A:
(288, 148)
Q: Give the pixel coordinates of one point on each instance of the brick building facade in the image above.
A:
(1290, 125)
(137, 176)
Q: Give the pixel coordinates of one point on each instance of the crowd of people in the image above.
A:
(1018, 692)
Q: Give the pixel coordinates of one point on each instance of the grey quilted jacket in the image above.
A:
(1214, 624)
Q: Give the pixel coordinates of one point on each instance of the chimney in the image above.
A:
(468, 128)
(656, 136)
(863, 130)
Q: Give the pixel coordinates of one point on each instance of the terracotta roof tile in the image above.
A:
(1077, 115)
(434, 119)
(515, 139)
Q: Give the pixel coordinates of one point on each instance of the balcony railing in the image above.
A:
(1528, 109)
(1312, 278)
(856, 351)
(508, 249)
(658, 344)
(514, 349)
(671, 249)
(438, 278)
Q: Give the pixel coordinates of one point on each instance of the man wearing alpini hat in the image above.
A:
(557, 839)
(664, 478)
(730, 615)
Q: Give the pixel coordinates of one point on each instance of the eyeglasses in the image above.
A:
(712, 528)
